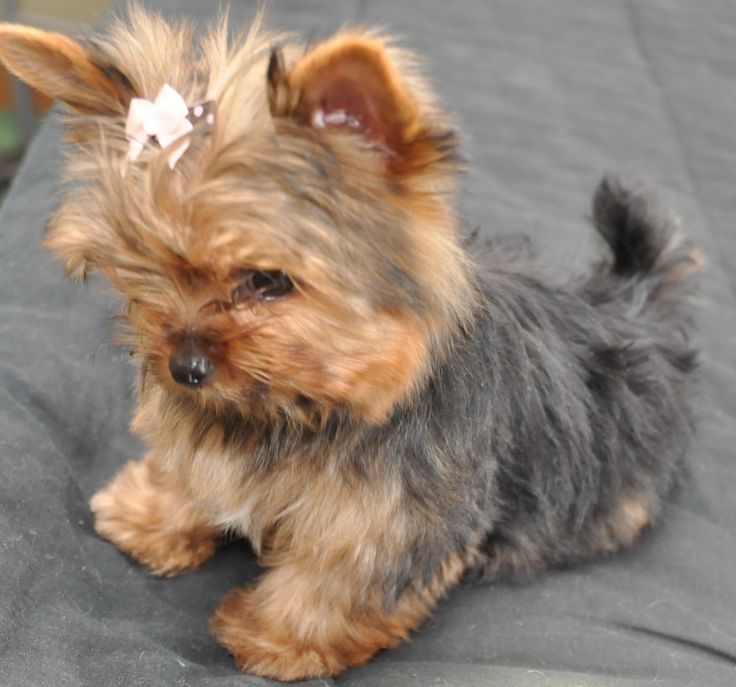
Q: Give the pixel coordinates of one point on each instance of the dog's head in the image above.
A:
(293, 244)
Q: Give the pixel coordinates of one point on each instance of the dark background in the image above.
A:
(549, 95)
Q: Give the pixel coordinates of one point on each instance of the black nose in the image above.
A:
(190, 370)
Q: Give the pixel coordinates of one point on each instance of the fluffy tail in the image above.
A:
(649, 250)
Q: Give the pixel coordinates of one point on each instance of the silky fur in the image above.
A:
(417, 408)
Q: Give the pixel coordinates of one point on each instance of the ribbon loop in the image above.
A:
(166, 119)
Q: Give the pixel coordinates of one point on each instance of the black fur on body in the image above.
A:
(562, 402)
(389, 408)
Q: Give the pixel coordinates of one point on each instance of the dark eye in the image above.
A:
(262, 286)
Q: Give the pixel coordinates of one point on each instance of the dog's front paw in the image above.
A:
(151, 520)
(263, 646)
(305, 620)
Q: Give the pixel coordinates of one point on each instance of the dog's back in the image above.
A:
(590, 388)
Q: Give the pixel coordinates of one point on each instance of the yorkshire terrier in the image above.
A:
(327, 366)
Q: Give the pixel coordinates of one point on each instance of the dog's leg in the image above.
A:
(302, 622)
(519, 556)
(621, 528)
(149, 516)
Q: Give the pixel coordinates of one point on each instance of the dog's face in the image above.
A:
(302, 252)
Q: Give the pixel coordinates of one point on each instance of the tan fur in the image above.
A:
(296, 624)
(196, 226)
(361, 62)
(363, 223)
(59, 67)
(146, 514)
(622, 529)
(325, 540)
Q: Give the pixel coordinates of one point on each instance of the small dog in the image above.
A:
(326, 366)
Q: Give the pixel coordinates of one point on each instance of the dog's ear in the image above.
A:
(350, 82)
(62, 68)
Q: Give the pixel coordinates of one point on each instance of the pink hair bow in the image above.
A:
(166, 119)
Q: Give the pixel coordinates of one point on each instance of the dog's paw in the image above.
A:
(151, 522)
(263, 647)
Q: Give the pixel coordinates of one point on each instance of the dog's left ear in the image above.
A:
(62, 68)
(350, 82)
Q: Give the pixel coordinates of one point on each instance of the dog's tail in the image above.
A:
(651, 255)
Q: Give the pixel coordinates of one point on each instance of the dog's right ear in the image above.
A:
(61, 68)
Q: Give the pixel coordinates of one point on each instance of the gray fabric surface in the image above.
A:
(548, 95)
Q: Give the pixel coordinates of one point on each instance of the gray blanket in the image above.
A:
(548, 95)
